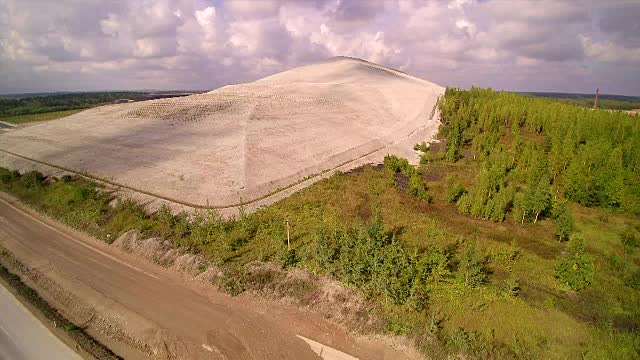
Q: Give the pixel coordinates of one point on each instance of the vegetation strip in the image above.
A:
(21, 119)
(77, 333)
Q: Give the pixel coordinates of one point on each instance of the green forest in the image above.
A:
(536, 155)
(517, 236)
(611, 102)
(60, 102)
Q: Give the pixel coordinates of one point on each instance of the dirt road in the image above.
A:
(192, 324)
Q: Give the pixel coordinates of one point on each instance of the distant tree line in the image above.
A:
(602, 103)
(605, 101)
(537, 154)
(61, 102)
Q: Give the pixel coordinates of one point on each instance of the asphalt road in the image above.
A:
(23, 336)
(217, 325)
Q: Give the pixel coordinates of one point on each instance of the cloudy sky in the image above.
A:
(570, 46)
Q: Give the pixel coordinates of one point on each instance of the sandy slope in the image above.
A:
(241, 142)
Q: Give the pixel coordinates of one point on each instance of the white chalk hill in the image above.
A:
(242, 141)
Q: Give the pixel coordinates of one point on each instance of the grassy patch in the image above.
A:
(21, 119)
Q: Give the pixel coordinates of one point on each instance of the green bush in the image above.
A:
(32, 179)
(425, 158)
(417, 186)
(576, 269)
(423, 147)
(454, 191)
(394, 163)
(289, 258)
(472, 270)
(128, 215)
(7, 176)
(327, 250)
(233, 280)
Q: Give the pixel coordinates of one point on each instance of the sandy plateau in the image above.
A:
(249, 143)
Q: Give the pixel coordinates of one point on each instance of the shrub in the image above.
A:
(233, 281)
(289, 258)
(472, 270)
(454, 191)
(327, 250)
(425, 158)
(421, 147)
(62, 196)
(394, 163)
(435, 264)
(505, 257)
(164, 222)
(32, 179)
(416, 187)
(424, 149)
(7, 176)
(576, 269)
(129, 215)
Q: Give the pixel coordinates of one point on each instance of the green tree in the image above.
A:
(575, 269)
(563, 220)
(472, 270)
(537, 196)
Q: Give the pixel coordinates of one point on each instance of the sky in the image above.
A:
(73, 45)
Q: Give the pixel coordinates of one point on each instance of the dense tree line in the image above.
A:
(61, 102)
(537, 153)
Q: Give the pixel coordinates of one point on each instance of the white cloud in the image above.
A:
(608, 52)
(203, 44)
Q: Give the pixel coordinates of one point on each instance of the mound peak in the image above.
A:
(340, 69)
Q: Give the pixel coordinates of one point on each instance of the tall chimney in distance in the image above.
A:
(595, 105)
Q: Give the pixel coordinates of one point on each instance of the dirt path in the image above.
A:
(159, 308)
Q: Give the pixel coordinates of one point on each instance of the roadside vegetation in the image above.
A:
(516, 237)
